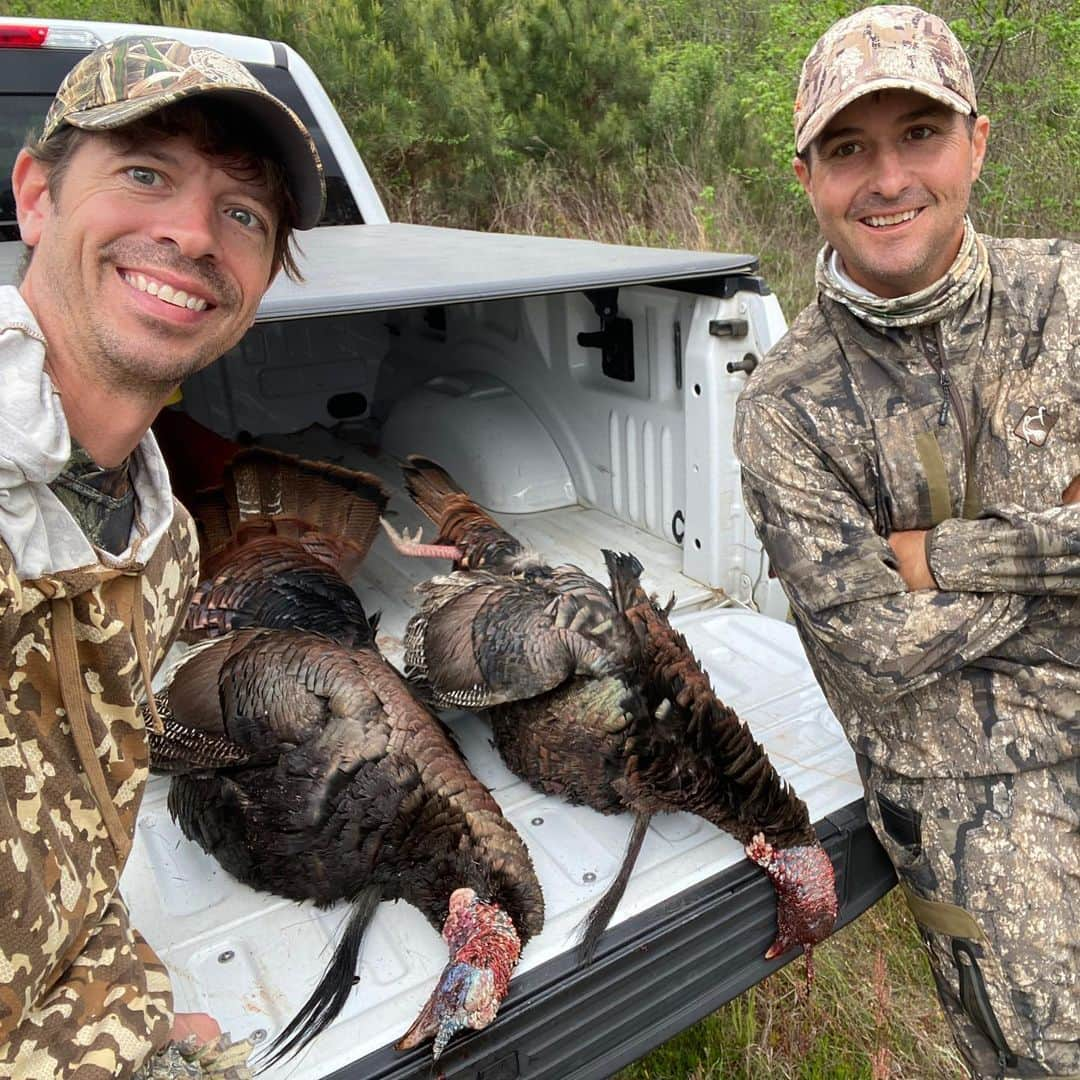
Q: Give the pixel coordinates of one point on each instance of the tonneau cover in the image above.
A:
(349, 268)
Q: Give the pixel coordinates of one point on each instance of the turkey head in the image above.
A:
(484, 950)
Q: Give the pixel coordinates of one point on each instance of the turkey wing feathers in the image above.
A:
(177, 748)
(482, 639)
(693, 752)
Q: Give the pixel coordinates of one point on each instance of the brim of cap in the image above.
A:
(816, 123)
(282, 127)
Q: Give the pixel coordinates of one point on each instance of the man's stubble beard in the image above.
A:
(140, 370)
(932, 252)
(134, 371)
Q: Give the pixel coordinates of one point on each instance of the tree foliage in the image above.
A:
(1025, 56)
(456, 105)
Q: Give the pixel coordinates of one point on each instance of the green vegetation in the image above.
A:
(872, 1015)
(668, 122)
(650, 121)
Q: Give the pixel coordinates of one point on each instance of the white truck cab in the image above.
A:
(35, 54)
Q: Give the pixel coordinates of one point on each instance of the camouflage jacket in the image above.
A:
(81, 993)
(969, 427)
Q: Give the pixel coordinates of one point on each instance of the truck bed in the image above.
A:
(689, 934)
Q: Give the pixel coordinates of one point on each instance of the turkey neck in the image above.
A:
(463, 840)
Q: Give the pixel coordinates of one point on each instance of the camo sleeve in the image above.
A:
(841, 576)
(1009, 550)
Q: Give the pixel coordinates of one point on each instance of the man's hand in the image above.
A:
(1072, 493)
(204, 1027)
(909, 546)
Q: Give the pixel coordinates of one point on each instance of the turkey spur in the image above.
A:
(303, 763)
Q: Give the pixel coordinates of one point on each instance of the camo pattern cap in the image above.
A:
(132, 77)
(880, 48)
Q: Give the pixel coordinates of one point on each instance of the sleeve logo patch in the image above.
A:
(1034, 426)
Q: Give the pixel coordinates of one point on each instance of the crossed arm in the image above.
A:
(872, 603)
(912, 547)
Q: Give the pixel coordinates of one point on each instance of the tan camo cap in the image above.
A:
(132, 77)
(880, 48)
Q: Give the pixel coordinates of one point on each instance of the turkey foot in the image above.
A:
(404, 544)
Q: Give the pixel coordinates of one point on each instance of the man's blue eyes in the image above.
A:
(244, 217)
(147, 177)
(144, 176)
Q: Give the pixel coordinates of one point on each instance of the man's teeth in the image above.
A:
(176, 297)
(891, 219)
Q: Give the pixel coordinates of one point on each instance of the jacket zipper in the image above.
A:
(950, 397)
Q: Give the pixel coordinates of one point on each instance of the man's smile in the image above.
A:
(885, 221)
(170, 294)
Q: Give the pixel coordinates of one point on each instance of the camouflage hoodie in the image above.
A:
(81, 993)
(969, 427)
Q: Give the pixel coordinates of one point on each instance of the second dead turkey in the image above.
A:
(593, 695)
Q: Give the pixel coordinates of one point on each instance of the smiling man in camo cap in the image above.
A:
(157, 204)
(909, 453)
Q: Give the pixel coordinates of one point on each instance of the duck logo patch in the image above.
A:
(1035, 424)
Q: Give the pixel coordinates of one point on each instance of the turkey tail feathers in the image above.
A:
(329, 997)
(429, 485)
(697, 755)
(266, 491)
(625, 572)
(432, 488)
(483, 542)
(334, 500)
(597, 920)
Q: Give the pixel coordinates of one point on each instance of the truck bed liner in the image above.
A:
(693, 925)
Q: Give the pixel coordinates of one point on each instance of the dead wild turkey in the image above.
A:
(305, 765)
(639, 730)
(696, 755)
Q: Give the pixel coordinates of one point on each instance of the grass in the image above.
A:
(665, 206)
(872, 1015)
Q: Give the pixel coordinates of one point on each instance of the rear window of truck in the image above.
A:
(28, 81)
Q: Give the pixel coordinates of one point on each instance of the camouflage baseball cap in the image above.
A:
(880, 48)
(132, 77)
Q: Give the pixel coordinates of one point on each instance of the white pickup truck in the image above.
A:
(583, 393)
